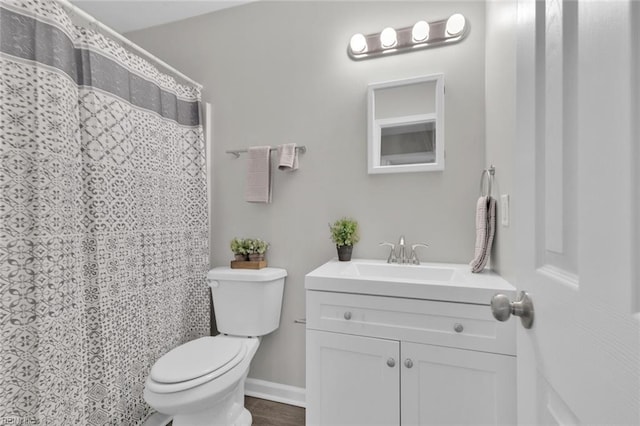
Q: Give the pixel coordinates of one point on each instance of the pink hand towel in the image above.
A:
(288, 157)
(485, 231)
(258, 181)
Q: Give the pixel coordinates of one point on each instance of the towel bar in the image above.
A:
(489, 174)
(301, 150)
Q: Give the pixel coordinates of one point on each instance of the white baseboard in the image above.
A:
(277, 392)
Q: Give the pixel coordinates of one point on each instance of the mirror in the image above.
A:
(406, 125)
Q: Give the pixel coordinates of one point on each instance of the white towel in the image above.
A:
(485, 231)
(288, 157)
(258, 181)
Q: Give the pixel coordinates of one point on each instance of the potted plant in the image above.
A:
(345, 233)
(256, 248)
(238, 247)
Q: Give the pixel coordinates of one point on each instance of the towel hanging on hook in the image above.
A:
(485, 222)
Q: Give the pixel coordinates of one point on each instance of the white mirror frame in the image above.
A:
(374, 131)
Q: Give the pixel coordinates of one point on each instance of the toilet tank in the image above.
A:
(247, 302)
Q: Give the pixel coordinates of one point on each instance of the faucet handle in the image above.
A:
(392, 254)
(401, 240)
(414, 256)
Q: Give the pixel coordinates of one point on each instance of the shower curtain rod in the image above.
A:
(73, 9)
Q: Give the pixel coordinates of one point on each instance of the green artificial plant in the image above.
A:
(345, 232)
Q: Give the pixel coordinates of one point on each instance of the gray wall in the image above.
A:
(501, 121)
(278, 72)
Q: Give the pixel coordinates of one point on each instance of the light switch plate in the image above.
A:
(504, 209)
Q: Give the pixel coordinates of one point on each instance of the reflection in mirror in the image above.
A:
(406, 125)
(408, 143)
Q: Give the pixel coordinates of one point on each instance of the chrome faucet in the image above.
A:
(401, 256)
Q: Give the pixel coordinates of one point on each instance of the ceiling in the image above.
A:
(130, 15)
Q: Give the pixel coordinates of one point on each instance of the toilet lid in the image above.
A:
(196, 358)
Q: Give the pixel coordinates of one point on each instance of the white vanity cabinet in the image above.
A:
(352, 381)
(382, 360)
(449, 386)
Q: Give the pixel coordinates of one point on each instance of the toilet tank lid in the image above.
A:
(227, 274)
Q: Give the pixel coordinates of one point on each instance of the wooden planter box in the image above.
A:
(248, 264)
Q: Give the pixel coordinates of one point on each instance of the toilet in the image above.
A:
(202, 381)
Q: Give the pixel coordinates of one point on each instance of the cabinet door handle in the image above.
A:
(458, 327)
(408, 363)
(391, 362)
(347, 315)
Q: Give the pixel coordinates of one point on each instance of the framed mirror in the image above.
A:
(406, 125)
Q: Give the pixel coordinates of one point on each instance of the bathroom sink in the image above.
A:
(432, 281)
(401, 272)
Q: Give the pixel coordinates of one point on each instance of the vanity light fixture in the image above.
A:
(421, 35)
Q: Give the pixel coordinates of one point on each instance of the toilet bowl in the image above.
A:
(202, 381)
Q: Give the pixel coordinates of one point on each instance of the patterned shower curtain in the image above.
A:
(103, 237)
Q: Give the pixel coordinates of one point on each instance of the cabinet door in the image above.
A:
(352, 380)
(447, 386)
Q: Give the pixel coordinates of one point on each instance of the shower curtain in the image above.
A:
(103, 221)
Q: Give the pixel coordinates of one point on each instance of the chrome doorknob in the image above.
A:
(502, 308)
(391, 362)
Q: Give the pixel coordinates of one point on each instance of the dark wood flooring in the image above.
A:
(269, 413)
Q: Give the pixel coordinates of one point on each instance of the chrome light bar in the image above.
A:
(421, 35)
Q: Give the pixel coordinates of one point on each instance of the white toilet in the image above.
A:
(202, 382)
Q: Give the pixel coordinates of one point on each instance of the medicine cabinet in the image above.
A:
(406, 125)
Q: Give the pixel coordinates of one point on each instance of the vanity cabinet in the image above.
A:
(456, 386)
(353, 380)
(383, 360)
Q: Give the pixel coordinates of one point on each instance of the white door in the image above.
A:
(577, 211)
(352, 380)
(449, 386)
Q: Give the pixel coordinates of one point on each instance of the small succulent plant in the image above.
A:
(345, 232)
(244, 246)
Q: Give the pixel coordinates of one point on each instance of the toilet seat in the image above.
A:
(196, 362)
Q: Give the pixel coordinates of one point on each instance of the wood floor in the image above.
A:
(269, 413)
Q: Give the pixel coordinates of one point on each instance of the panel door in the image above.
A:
(352, 380)
(577, 211)
(448, 386)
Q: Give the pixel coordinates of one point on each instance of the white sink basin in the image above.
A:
(432, 281)
(400, 272)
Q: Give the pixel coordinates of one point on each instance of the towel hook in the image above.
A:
(489, 175)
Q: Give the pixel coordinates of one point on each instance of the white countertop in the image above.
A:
(431, 281)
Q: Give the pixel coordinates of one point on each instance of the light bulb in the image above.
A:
(388, 38)
(455, 24)
(358, 43)
(420, 31)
